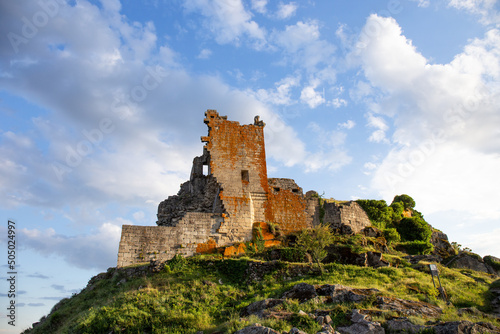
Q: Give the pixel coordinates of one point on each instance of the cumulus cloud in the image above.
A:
(121, 123)
(259, 6)
(380, 126)
(486, 9)
(444, 142)
(96, 250)
(303, 46)
(312, 97)
(332, 154)
(205, 54)
(229, 21)
(349, 124)
(281, 95)
(286, 10)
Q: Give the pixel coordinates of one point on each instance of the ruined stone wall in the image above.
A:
(287, 206)
(238, 162)
(221, 208)
(346, 217)
(140, 244)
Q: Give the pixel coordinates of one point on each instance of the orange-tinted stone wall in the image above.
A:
(238, 162)
(288, 210)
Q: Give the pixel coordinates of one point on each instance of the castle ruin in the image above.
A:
(227, 195)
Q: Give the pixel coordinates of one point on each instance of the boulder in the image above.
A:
(492, 264)
(403, 325)
(257, 329)
(344, 255)
(258, 308)
(408, 307)
(494, 292)
(466, 260)
(374, 259)
(464, 327)
(361, 324)
(372, 232)
(296, 331)
(344, 294)
(302, 291)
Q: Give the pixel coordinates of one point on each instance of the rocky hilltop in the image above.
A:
(375, 280)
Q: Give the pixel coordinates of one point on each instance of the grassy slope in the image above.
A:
(207, 293)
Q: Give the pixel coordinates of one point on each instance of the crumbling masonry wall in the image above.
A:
(237, 159)
(289, 208)
(345, 217)
(144, 243)
(220, 207)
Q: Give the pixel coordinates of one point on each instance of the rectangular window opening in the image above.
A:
(244, 176)
(205, 169)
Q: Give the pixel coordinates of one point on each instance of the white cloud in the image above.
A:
(153, 120)
(349, 124)
(423, 3)
(381, 127)
(259, 6)
(228, 20)
(286, 11)
(311, 97)
(331, 153)
(303, 46)
(205, 54)
(485, 243)
(281, 95)
(445, 147)
(337, 103)
(96, 250)
(486, 9)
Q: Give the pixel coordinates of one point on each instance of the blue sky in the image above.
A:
(102, 106)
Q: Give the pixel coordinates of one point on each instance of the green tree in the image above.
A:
(408, 202)
(414, 229)
(314, 241)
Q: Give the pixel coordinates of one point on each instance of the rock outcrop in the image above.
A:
(466, 260)
(361, 324)
(442, 246)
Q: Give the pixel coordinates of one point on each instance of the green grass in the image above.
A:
(206, 293)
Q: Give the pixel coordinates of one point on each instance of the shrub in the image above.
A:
(377, 210)
(314, 241)
(408, 202)
(417, 247)
(414, 229)
(289, 254)
(391, 235)
(397, 211)
(491, 261)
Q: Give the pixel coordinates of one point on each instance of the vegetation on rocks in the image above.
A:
(281, 289)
